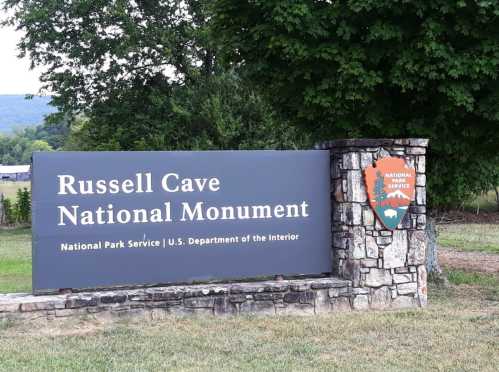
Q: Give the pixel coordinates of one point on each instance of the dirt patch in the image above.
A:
(470, 261)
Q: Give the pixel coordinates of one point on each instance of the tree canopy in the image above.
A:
(190, 74)
(380, 68)
(143, 75)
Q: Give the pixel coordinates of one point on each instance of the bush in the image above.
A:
(9, 213)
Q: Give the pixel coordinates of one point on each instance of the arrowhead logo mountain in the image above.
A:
(390, 188)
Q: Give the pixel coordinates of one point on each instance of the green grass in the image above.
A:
(9, 189)
(470, 237)
(15, 260)
(457, 332)
(459, 277)
(488, 283)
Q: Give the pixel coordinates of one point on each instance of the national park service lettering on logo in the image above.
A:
(390, 188)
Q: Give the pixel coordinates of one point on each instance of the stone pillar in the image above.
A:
(386, 267)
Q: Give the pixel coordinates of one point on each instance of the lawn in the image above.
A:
(470, 237)
(15, 260)
(9, 188)
(458, 331)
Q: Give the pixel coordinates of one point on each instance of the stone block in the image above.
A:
(341, 304)
(420, 195)
(351, 270)
(340, 239)
(113, 298)
(407, 288)
(360, 302)
(416, 151)
(222, 306)
(9, 307)
(355, 187)
(165, 295)
(366, 160)
(237, 298)
(394, 255)
(417, 248)
(403, 302)
(421, 222)
(42, 305)
(357, 245)
(383, 240)
(339, 292)
(420, 180)
(352, 213)
(421, 164)
(382, 153)
(77, 302)
(378, 277)
(351, 160)
(199, 302)
(335, 167)
(268, 296)
(381, 298)
(420, 142)
(371, 247)
(322, 303)
(301, 297)
(367, 217)
(402, 278)
(338, 190)
(369, 262)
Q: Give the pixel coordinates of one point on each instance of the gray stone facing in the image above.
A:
(389, 259)
(295, 296)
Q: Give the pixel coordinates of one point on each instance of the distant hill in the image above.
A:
(16, 111)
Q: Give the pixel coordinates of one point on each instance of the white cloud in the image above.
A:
(15, 75)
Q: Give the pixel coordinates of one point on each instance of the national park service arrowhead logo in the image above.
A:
(390, 188)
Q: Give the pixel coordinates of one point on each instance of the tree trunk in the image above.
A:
(433, 268)
(496, 189)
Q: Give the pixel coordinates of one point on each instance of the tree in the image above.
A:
(144, 75)
(23, 206)
(378, 68)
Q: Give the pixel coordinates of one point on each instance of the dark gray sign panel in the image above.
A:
(104, 219)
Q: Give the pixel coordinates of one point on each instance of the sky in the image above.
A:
(15, 75)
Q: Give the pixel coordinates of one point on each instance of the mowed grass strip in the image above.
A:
(457, 332)
(15, 260)
(470, 237)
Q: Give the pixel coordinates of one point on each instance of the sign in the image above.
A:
(390, 188)
(105, 219)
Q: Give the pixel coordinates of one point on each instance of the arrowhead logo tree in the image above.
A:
(390, 188)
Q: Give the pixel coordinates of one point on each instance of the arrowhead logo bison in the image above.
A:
(390, 188)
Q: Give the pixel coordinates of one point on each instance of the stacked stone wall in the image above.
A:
(386, 267)
(299, 297)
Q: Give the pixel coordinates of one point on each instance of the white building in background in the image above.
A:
(15, 172)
